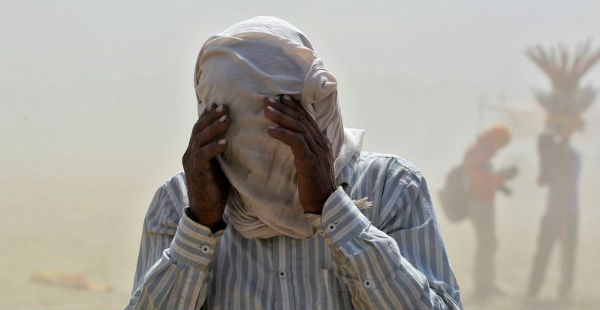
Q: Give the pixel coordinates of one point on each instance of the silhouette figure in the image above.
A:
(559, 162)
(484, 182)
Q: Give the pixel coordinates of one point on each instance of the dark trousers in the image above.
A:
(482, 215)
(555, 229)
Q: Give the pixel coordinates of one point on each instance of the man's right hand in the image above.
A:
(207, 186)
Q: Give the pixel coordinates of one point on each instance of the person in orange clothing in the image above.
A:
(484, 182)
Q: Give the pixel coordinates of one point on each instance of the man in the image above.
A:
(484, 183)
(277, 207)
(560, 163)
(559, 170)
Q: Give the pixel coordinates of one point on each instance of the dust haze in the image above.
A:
(97, 104)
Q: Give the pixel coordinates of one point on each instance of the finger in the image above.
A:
(293, 104)
(213, 131)
(209, 115)
(285, 120)
(205, 154)
(292, 108)
(282, 119)
(291, 138)
(313, 135)
(280, 106)
(301, 113)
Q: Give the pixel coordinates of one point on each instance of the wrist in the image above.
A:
(322, 202)
(211, 220)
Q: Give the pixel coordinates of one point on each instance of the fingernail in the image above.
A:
(270, 108)
(287, 98)
(223, 118)
(271, 100)
(219, 109)
(272, 127)
(222, 142)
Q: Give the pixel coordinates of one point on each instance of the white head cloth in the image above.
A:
(260, 57)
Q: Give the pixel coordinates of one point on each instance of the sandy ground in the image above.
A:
(98, 239)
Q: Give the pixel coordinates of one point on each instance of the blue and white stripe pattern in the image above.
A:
(390, 256)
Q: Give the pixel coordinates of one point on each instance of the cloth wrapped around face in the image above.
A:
(240, 67)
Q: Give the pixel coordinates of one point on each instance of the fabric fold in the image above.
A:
(240, 67)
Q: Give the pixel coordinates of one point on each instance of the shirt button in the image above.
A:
(331, 227)
(205, 249)
(367, 283)
(282, 274)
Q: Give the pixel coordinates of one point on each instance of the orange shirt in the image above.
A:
(482, 179)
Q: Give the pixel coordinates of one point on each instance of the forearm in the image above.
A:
(371, 265)
(180, 277)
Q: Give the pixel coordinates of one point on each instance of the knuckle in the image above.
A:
(197, 123)
(278, 105)
(201, 165)
(204, 118)
(200, 138)
(277, 116)
(206, 152)
(297, 137)
(221, 126)
(212, 129)
(199, 156)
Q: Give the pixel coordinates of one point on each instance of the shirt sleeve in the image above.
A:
(401, 263)
(175, 258)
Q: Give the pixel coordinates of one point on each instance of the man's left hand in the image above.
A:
(311, 149)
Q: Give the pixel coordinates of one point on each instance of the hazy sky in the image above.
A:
(97, 90)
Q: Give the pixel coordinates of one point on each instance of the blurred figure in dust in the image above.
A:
(559, 170)
(483, 183)
(559, 162)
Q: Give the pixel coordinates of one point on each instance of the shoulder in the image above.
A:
(392, 183)
(167, 206)
(387, 167)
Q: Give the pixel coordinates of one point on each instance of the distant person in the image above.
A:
(277, 206)
(559, 171)
(559, 163)
(483, 183)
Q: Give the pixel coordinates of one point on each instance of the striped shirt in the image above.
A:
(388, 256)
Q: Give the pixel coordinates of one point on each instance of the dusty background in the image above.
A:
(96, 105)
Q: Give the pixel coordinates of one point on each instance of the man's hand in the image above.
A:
(207, 186)
(311, 149)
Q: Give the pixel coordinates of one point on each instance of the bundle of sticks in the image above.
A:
(567, 99)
